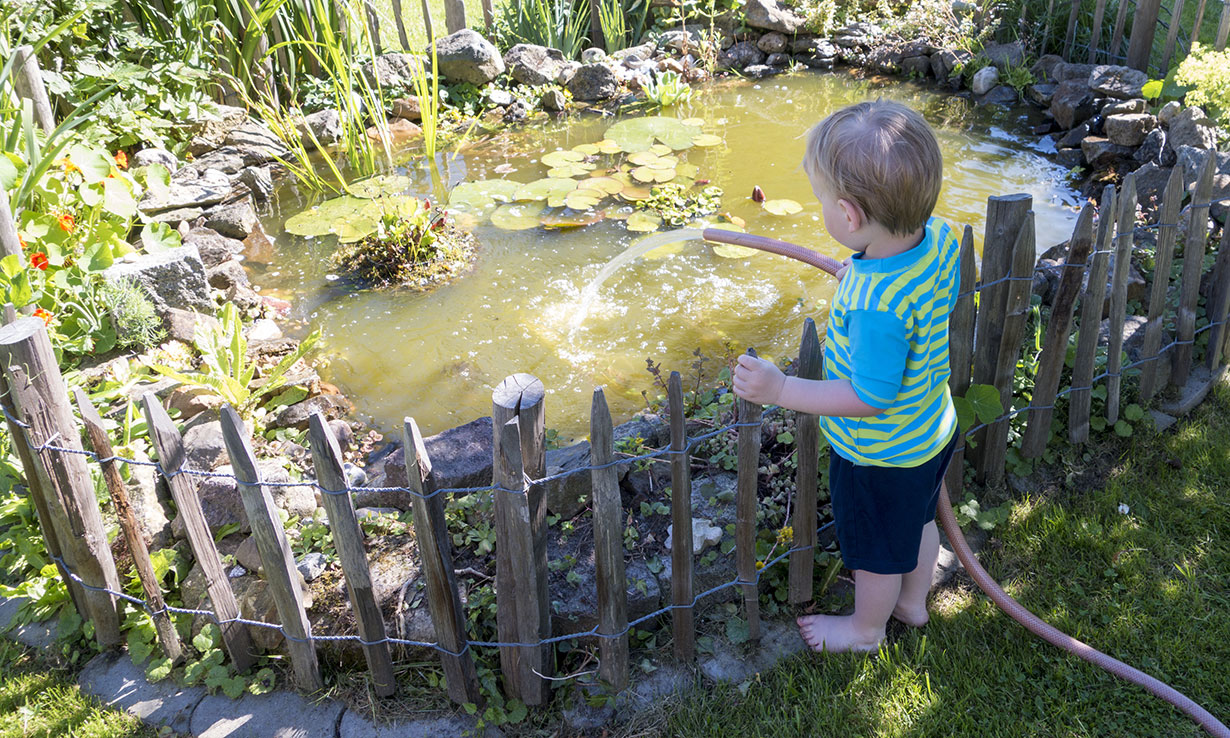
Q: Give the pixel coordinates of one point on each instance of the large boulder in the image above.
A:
(772, 42)
(944, 63)
(296, 416)
(1005, 55)
(1152, 149)
(209, 128)
(1070, 71)
(256, 143)
(396, 70)
(1072, 103)
(1043, 69)
(1150, 185)
(857, 35)
(188, 189)
(741, 55)
(593, 82)
(769, 15)
(322, 128)
(213, 247)
(465, 56)
(1192, 127)
(460, 457)
(985, 80)
(1130, 129)
(235, 220)
(1123, 83)
(172, 279)
(222, 504)
(1102, 153)
(204, 447)
(534, 65)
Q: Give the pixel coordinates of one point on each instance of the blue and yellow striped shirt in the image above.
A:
(888, 335)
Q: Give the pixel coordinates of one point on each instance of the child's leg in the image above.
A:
(875, 596)
(911, 606)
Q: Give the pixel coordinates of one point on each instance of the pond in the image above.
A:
(436, 355)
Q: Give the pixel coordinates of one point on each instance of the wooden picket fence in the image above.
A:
(985, 348)
(1147, 29)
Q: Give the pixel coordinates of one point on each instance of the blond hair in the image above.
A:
(881, 155)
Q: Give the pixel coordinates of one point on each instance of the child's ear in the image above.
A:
(855, 217)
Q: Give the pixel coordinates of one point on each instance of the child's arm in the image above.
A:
(759, 381)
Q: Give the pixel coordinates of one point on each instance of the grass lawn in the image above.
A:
(38, 700)
(1151, 588)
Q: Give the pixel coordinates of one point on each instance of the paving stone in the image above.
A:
(778, 640)
(444, 726)
(36, 635)
(276, 715)
(118, 683)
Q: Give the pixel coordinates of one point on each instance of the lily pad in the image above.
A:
(609, 185)
(660, 149)
(319, 220)
(586, 149)
(479, 197)
(698, 122)
(381, 184)
(643, 222)
(572, 220)
(782, 207)
(562, 158)
(567, 171)
(517, 217)
(584, 199)
(349, 230)
(639, 134)
(706, 140)
(649, 175)
(400, 206)
(726, 250)
(544, 189)
(607, 146)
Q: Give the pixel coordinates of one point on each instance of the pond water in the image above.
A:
(437, 355)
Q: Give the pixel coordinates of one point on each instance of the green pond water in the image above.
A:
(437, 355)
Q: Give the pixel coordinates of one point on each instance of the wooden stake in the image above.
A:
(1172, 33)
(1070, 36)
(428, 25)
(1144, 29)
(1098, 12)
(1167, 232)
(683, 618)
(961, 351)
(1223, 27)
(454, 15)
(400, 21)
(1093, 302)
(348, 541)
(750, 415)
(28, 82)
(609, 547)
(1193, 265)
(807, 479)
(1219, 305)
(1118, 295)
(1116, 42)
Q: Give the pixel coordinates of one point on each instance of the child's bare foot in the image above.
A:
(909, 616)
(836, 634)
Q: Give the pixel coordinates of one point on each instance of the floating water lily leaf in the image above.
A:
(572, 220)
(543, 189)
(349, 230)
(609, 185)
(726, 250)
(562, 158)
(381, 184)
(607, 146)
(782, 207)
(687, 170)
(660, 149)
(479, 197)
(643, 222)
(400, 206)
(584, 199)
(643, 158)
(705, 140)
(319, 220)
(633, 191)
(698, 122)
(517, 217)
(586, 149)
(639, 134)
(649, 174)
(570, 170)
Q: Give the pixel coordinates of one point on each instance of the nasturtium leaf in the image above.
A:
(1152, 89)
(1123, 428)
(8, 171)
(706, 140)
(782, 207)
(586, 149)
(639, 134)
(984, 400)
(94, 164)
(381, 184)
(562, 158)
(517, 217)
(1133, 412)
(91, 194)
(643, 222)
(159, 237)
(118, 199)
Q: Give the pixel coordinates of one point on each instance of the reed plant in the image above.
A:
(559, 24)
(623, 22)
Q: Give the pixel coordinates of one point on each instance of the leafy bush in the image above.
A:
(820, 16)
(1206, 74)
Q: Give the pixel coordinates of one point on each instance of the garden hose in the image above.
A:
(1002, 599)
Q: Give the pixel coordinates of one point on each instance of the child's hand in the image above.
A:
(758, 381)
(845, 267)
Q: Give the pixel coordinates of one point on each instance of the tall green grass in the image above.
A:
(559, 24)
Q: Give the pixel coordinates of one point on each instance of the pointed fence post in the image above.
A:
(1223, 27)
(1070, 36)
(348, 541)
(683, 616)
(1116, 40)
(1024, 252)
(522, 600)
(1144, 28)
(28, 82)
(1099, 12)
(167, 636)
(1172, 33)
(608, 547)
(1167, 233)
(279, 563)
(38, 395)
(454, 15)
(1193, 265)
(431, 532)
(961, 351)
(807, 480)
(1093, 301)
(400, 21)
(746, 499)
(1118, 295)
(1219, 305)
(170, 447)
(428, 24)
(1058, 329)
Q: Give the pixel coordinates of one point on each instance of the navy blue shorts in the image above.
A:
(881, 510)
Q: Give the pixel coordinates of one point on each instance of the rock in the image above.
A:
(1101, 153)
(259, 181)
(256, 143)
(772, 42)
(355, 476)
(235, 220)
(1041, 93)
(312, 565)
(1068, 72)
(322, 128)
(228, 160)
(1069, 158)
(244, 298)
(652, 429)
(148, 157)
(759, 71)
(263, 330)
(460, 457)
(188, 189)
(448, 725)
(1152, 147)
(498, 98)
(1122, 83)
(280, 714)
(680, 41)
(984, 79)
(119, 684)
(296, 416)
(249, 556)
(916, 67)
(593, 82)
(1129, 129)
(226, 274)
(406, 107)
(192, 401)
(182, 325)
(203, 446)
(1000, 95)
(212, 247)
(150, 508)
(1073, 138)
(575, 608)
(566, 74)
(343, 433)
(172, 279)
(177, 216)
(1136, 105)
(778, 60)
(741, 55)
(944, 63)
(593, 55)
(534, 65)
(771, 16)
(1191, 159)
(397, 71)
(209, 131)
(1043, 69)
(465, 56)
(1072, 103)
(812, 45)
(222, 505)
(1192, 127)
(1005, 55)
(1151, 184)
(399, 131)
(554, 100)
(1168, 112)
(367, 513)
(644, 52)
(818, 62)
(704, 535)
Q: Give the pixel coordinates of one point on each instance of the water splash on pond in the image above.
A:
(642, 247)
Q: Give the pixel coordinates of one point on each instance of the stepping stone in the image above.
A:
(119, 684)
(276, 715)
(354, 725)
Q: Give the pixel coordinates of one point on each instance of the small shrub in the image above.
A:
(1207, 75)
(137, 325)
(406, 239)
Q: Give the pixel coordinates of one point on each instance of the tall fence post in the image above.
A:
(28, 82)
(37, 394)
(683, 618)
(1219, 305)
(1099, 12)
(454, 15)
(170, 448)
(167, 636)
(1058, 329)
(961, 351)
(1193, 264)
(608, 547)
(1124, 239)
(1167, 232)
(807, 479)
(1116, 41)
(400, 21)
(1093, 301)
(1016, 312)
(279, 564)
(431, 531)
(1144, 29)
(348, 541)
(522, 601)
(1070, 36)
(746, 498)
(1172, 34)
(428, 25)
(1223, 27)
(1194, 38)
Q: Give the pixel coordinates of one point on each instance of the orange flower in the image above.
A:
(45, 315)
(38, 260)
(67, 224)
(121, 160)
(21, 241)
(69, 166)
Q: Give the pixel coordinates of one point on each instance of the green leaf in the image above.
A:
(158, 670)
(159, 237)
(965, 412)
(94, 164)
(1133, 412)
(98, 256)
(737, 630)
(1123, 428)
(984, 400)
(1152, 89)
(117, 198)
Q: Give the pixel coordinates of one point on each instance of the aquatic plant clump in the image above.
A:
(677, 206)
(416, 246)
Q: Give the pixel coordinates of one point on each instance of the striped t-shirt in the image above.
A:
(888, 335)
